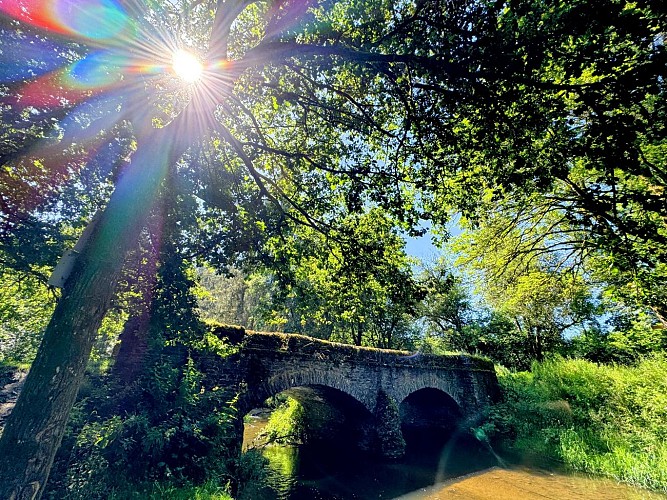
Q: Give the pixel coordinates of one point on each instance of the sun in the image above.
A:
(186, 66)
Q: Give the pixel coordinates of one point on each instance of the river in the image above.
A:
(460, 469)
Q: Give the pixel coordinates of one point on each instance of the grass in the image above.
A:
(162, 491)
(608, 420)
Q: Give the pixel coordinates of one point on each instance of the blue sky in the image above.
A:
(423, 248)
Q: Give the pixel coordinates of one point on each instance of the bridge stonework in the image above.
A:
(266, 364)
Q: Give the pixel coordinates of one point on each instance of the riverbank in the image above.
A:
(529, 484)
(606, 420)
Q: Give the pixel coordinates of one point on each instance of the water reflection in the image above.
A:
(318, 473)
(310, 472)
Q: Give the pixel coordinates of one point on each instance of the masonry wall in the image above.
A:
(269, 363)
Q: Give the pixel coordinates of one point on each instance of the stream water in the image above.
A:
(462, 468)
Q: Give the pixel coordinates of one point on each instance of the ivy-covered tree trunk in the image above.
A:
(35, 427)
(133, 345)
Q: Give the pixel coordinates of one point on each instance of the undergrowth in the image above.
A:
(166, 491)
(286, 424)
(603, 419)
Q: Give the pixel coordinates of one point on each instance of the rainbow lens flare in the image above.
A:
(92, 19)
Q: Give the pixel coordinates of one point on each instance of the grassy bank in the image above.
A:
(603, 419)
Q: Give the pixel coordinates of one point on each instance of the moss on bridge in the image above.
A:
(325, 350)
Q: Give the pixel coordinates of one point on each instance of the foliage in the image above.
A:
(354, 286)
(167, 491)
(311, 114)
(25, 307)
(164, 424)
(630, 335)
(167, 427)
(234, 299)
(505, 327)
(603, 419)
(544, 300)
(565, 146)
(636, 335)
(448, 308)
(286, 424)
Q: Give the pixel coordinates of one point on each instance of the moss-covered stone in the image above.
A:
(231, 333)
(390, 442)
(337, 352)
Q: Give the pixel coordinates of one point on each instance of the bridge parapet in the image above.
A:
(301, 345)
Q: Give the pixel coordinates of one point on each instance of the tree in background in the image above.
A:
(523, 279)
(458, 318)
(25, 308)
(448, 309)
(233, 298)
(354, 285)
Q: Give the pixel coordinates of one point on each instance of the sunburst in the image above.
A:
(186, 66)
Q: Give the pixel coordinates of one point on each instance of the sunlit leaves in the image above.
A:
(355, 287)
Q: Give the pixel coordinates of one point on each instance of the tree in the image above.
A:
(576, 133)
(349, 100)
(25, 307)
(354, 286)
(448, 308)
(457, 319)
(525, 280)
(233, 299)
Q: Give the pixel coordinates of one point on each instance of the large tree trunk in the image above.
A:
(37, 423)
(36, 426)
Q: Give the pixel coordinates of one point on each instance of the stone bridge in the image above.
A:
(381, 394)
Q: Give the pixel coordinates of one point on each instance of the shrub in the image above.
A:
(286, 424)
(167, 427)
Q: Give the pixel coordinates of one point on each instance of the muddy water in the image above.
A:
(252, 426)
(460, 469)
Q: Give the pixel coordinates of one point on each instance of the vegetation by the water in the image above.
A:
(286, 423)
(167, 491)
(603, 419)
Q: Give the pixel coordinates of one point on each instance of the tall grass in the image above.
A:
(603, 419)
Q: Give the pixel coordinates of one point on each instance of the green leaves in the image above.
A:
(25, 307)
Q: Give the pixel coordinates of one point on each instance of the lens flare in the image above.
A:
(92, 19)
(95, 71)
(186, 66)
(81, 80)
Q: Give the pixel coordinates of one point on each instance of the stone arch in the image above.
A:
(286, 380)
(333, 417)
(449, 382)
(430, 413)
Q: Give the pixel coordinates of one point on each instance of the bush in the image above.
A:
(167, 491)
(286, 424)
(603, 419)
(166, 428)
